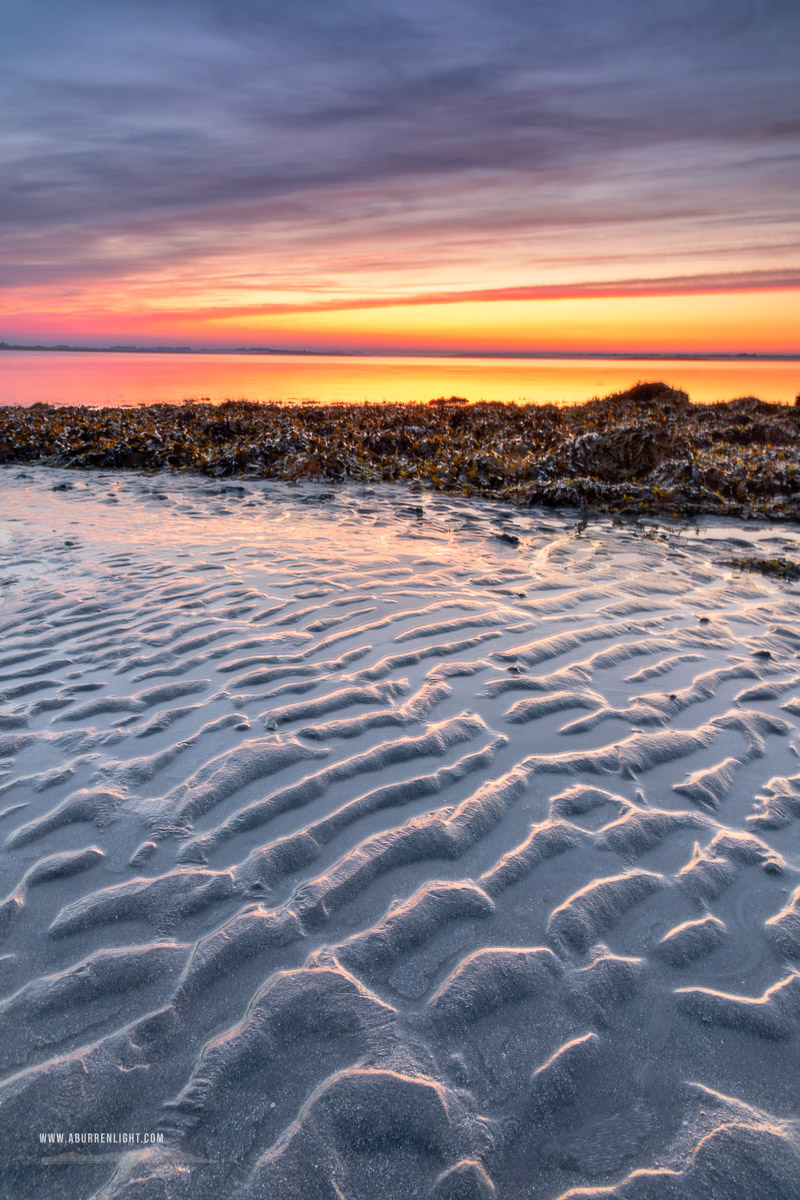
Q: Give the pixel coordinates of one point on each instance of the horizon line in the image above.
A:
(133, 348)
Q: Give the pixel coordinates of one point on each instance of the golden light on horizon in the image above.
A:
(737, 322)
(759, 322)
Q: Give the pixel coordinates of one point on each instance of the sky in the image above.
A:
(415, 176)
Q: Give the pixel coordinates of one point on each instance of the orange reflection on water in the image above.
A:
(118, 379)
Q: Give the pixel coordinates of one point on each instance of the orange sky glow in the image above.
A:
(764, 321)
(430, 176)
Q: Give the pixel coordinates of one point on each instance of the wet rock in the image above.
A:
(626, 452)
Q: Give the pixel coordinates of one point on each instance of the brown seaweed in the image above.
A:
(645, 450)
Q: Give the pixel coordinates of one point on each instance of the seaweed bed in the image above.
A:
(645, 450)
(778, 568)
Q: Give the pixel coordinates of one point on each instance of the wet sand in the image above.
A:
(369, 843)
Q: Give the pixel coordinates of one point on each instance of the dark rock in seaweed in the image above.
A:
(624, 452)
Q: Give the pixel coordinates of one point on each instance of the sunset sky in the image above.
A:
(431, 175)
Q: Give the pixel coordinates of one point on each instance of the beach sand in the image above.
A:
(363, 843)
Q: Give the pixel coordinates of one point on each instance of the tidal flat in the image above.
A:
(360, 841)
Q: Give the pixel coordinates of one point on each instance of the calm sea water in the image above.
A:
(123, 379)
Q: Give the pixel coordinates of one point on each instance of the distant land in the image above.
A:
(162, 349)
(499, 354)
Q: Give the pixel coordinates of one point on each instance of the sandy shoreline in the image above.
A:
(363, 843)
(648, 450)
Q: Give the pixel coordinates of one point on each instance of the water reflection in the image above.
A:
(119, 378)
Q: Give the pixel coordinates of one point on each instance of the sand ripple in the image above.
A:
(364, 845)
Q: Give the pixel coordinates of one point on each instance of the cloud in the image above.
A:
(684, 285)
(167, 137)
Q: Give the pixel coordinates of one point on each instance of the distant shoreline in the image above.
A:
(256, 351)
